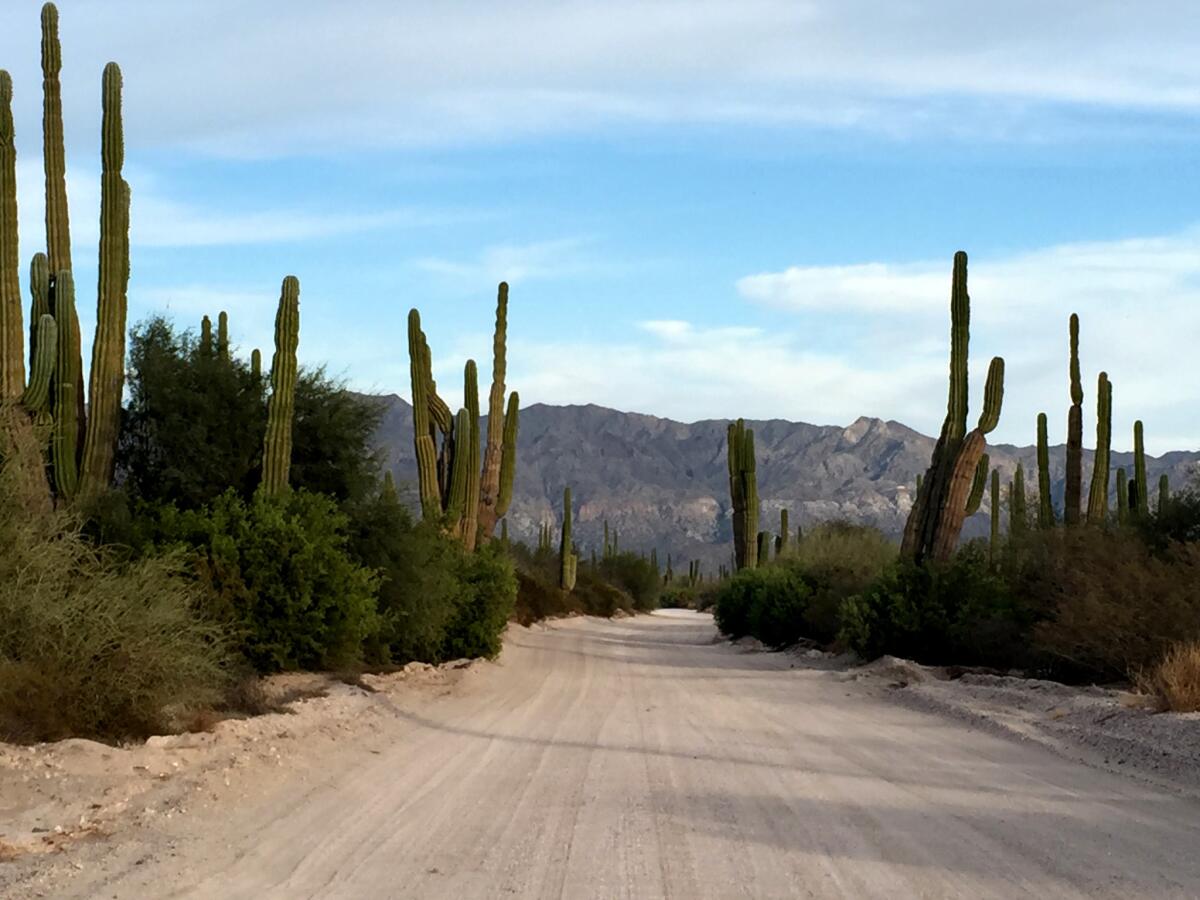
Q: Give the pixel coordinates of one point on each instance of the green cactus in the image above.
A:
(508, 460)
(994, 545)
(387, 490)
(936, 519)
(1140, 480)
(1017, 512)
(764, 548)
(743, 492)
(1125, 492)
(277, 443)
(107, 379)
(423, 426)
(12, 326)
(1045, 504)
(489, 485)
(39, 289)
(1098, 497)
(36, 398)
(783, 541)
(978, 485)
(568, 560)
(1073, 490)
(470, 521)
(460, 476)
(223, 336)
(206, 337)
(1164, 494)
(64, 440)
(256, 364)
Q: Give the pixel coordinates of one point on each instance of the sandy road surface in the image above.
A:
(639, 759)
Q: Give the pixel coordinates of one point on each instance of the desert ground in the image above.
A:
(634, 758)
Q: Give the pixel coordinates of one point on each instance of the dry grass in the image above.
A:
(1176, 680)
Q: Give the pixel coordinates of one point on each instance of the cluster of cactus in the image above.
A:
(545, 537)
(567, 557)
(695, 576)
(83, 434)
(468, 497)
(783, 540)
(612, 542)
(953, 486)
(743, 493)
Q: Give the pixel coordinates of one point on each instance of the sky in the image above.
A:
(704, 209)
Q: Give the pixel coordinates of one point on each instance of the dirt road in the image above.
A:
(639, 759)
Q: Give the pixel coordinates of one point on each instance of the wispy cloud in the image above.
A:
(514, 263)
(307, 76)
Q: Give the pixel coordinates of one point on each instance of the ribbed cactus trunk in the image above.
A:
(743, 494)
(1098, 497)
(1018, 514)
(508, 459)
(1140, 479)
(223, 336)
(994, 499)
(281, 408)
(1125, 492)
(493, 459)
(567, 560)
(1164, 494)
(107, 380)
(1045, 502)
(65, 437)
(39, 289)
(1073, 489)
(256, 364)
(12, 325)
(423, 427)
(785, 536)
(469, 444)
(936, 519)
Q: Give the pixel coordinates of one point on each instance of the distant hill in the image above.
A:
(664, 484)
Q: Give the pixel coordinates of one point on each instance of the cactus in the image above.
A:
(508, 461)
(567, 558)
(504, 532)
(994, 545)
(36, 398)
(1164, 494)
(489, 490)
(107, 378)
(1018, 517)
(936, 519)
(39, 289)
(423, 426)
(978, 485)
(223, 336)
(1045, 504)
(782, 542)
(469, 443)
(64, 440)
(12, 326)
(1141, 483)
(206, 337)
(1098, 497)
(460, 477)
(277, 443)
(764, 548)
(256, 364)
(1125, 492)
(743, 492)
(1073, 491)
(388, 489)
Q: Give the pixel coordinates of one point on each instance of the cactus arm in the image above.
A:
(256, 364)
(281, 408)
(1142, 511)
(993, 397)
(493, 460)
(426, 449)
(64, 440)
(223, 336)
(960, 338)
(508, 461)
(962, 483)
(1045, 503)
(107, 379)
(979, 485)
(459, 478)
(12, 326)
(36, 398)
(470, 526)
(1073, 491)
(1098, 497)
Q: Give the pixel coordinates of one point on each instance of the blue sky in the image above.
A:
(705, 209)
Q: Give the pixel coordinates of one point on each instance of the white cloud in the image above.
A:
(515, 263)
(305, 75)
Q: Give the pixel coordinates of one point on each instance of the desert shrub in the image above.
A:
(421, 584)
(1178, 523)
(1175, 681)
(767, 603)
(633, 575)
(837, 560)
(280, 572)
(959, 612)
(541, 597)
(93, 647)
(478, 624)
(1111, 605)
(678, 596)
(333, 450)
(537, 599)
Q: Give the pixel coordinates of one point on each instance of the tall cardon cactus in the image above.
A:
(568, 560)
(1073, 489)
(1098, 496)
(1045, 503)
(1140, 481)
(936, 519)
(743, 494)
(281, 407)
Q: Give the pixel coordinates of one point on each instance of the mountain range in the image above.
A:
(665, 484)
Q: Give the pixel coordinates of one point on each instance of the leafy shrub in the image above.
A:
(1178, 523)
(421, 579)
(634, 576)
(93, 647)
(837, 560)
(491, 594)
(960, 612)
(280, 572)
(678, 596)
(1112, 606)
(767, 603)
(1175, 681)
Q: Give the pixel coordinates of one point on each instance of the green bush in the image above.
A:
(421, 579)
(634, 576)
(679, 596)
(837, 560)
(93, 647)
(960, 612)
(280, 572)
(767, 603)
(491, 594)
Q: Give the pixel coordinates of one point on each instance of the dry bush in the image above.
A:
(1110, 605)
(1175, 681)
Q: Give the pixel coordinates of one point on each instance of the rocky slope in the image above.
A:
(664, 484)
